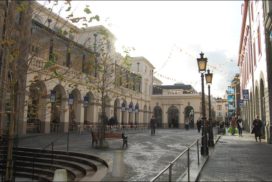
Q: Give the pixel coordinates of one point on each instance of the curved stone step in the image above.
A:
(29, 176)
(77, 171)
(80, 166)
(72, 172)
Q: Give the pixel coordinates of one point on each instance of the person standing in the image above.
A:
(240, 125)
(153, 125)
(198, 124)
(257, 126)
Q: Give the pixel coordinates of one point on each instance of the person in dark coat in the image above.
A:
(240, 125)
(257, 128)
(198, 124)
(153, 125)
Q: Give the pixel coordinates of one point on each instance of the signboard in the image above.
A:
(241, 103)
(245, 94)
(230, 98)
(230, 90)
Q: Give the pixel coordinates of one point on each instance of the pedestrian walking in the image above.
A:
(240, 125)
(198, 124)
(257, 126)
(187, 124)
(153, 125)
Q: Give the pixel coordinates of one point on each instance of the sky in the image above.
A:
(172, 34)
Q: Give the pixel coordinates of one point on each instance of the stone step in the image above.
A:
(35, 176)
(87, 162)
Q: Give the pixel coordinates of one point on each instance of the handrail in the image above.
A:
(161, 172)
(169, 166)
(43, 149)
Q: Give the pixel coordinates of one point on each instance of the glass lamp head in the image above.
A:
(202, 62)
(208, 77)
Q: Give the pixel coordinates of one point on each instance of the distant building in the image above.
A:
(174, 104)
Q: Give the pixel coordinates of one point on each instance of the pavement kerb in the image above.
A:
(211, 150)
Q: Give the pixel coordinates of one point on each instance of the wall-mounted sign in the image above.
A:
(245, 94)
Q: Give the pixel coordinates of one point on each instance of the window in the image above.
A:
(254, 53)
(84, 70)
(259, 41)
(252, 12)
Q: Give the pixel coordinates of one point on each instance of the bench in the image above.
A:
(110, 135)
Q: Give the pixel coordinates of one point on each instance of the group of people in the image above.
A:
(235, 122)
(256, 127)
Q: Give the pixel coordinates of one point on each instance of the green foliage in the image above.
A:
(22, 6)
(230, 130)
(51, 62)
(87, 10)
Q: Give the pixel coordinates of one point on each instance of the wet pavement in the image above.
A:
(238, 158)
(144, 158)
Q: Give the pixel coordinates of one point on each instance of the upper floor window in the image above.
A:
(252, 12)
(259, 41)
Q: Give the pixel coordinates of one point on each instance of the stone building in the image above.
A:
(253, 66)
(62, 82)
(174, 104)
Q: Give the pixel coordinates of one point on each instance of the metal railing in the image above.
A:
(178, 162)
(50, 146)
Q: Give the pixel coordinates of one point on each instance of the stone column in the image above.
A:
(64, 117)
(23, 127)
(164, 115)
(47, 120)
(181, 117)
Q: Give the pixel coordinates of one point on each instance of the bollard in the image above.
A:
(118, 164)
(188, 164)
(68, 138)
(197, 145)
(60, 175)
(170, 171)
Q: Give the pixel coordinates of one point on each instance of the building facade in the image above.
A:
(64, 75)
(267, 6)
(252, 62)
(221, 109)
(173, 105)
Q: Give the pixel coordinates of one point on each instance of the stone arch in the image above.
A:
(58, 99)
(74, 101)
(136, 109)
(36, 112)
(88, 108)
(130, 113)
(263, 114)
(173, 117)
(189, 115)
(108, 105)
(256, 100)
(116, 110)
(124, 112)
(145, 114)
(157, 111)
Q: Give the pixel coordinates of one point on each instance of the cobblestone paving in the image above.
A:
(144, 158)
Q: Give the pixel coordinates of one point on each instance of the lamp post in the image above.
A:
(209, 77)
(202, 62)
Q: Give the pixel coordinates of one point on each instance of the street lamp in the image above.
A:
(202, 62)
(209, 77)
